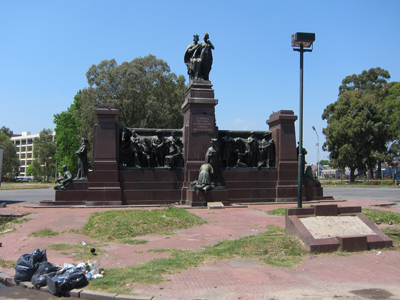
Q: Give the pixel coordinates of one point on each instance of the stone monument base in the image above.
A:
(325, 228)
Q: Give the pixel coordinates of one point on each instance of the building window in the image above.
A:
(23, 149)
(29, 148)
(22, 155)
(22, 162)
(29, 155)
(29, 162)
(23, 142)
(17, 143)
(22, 169)
(30, 142)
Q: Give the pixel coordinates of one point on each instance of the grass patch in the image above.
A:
(7, 263)
(271, 248)
(381, 215)
(395, 237)
(281, 211)
(81, 253)
(7, 223)
(123, 225)
(25, 185)
(44, 232)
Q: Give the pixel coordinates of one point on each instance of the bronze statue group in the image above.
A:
(237, 153)
(150, 151)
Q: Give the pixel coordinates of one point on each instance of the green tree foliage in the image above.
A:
(358, 124)
(44, 149)
(372, 81)
(145, 92)
(10, 157)
(355, 131)
(6, 131)
(324, 162)
(391, 106)
(67, 124)
(35, 171)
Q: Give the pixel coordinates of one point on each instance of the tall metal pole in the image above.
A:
(300, 158)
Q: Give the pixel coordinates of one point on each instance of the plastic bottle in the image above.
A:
(88, 275)
(96, 266)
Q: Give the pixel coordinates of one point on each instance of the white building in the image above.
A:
(24, 144)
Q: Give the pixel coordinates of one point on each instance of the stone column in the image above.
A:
(198, 129)
(104, 186)
(281, 125)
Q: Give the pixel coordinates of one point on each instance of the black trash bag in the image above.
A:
(27, 265)
(45, 268)
(66, 280)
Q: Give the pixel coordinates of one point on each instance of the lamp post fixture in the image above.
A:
(299, 41)
(317, 152)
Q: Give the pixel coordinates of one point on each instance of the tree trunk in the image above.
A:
(352, 177)
(379, 175)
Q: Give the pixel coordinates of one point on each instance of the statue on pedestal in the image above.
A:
(198, 58)
(64, 181)
(82, 161)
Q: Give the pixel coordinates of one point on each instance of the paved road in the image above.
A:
(338, 192)
(28, 195)
(382, 193)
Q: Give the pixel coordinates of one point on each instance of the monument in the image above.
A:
(193, 165)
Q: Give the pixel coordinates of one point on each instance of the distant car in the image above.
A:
(22, 179)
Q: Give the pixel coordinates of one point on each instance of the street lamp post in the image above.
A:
(299, 41)
(317, 151)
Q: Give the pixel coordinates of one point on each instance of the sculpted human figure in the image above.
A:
(158, 144)
(206, 57)
(192, 57)
(65, 180)
(174, 155)
(198, 58)
(267, 151)
(138, 153)
(204, 181)
(82, 160)
(125, 148)
(252, 150)
(227, 153)
(304, 152)
(213, 158)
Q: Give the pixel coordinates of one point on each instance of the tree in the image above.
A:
(391, 106)
(324, 162)
(44, 149)
(371, 88)
(10, 157)
(6, 131)
(372, 81)
(355, 131)
(145, 92)
(67, 124)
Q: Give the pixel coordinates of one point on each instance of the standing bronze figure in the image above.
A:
(198, 58)
(82, 160)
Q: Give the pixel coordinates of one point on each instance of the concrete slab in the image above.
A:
(215, 205)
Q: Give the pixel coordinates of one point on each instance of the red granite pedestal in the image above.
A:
(198, 130)
(104, 187)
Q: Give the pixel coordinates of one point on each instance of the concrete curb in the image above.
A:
(77, 293)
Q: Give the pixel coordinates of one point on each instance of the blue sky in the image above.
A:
(48, 46)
